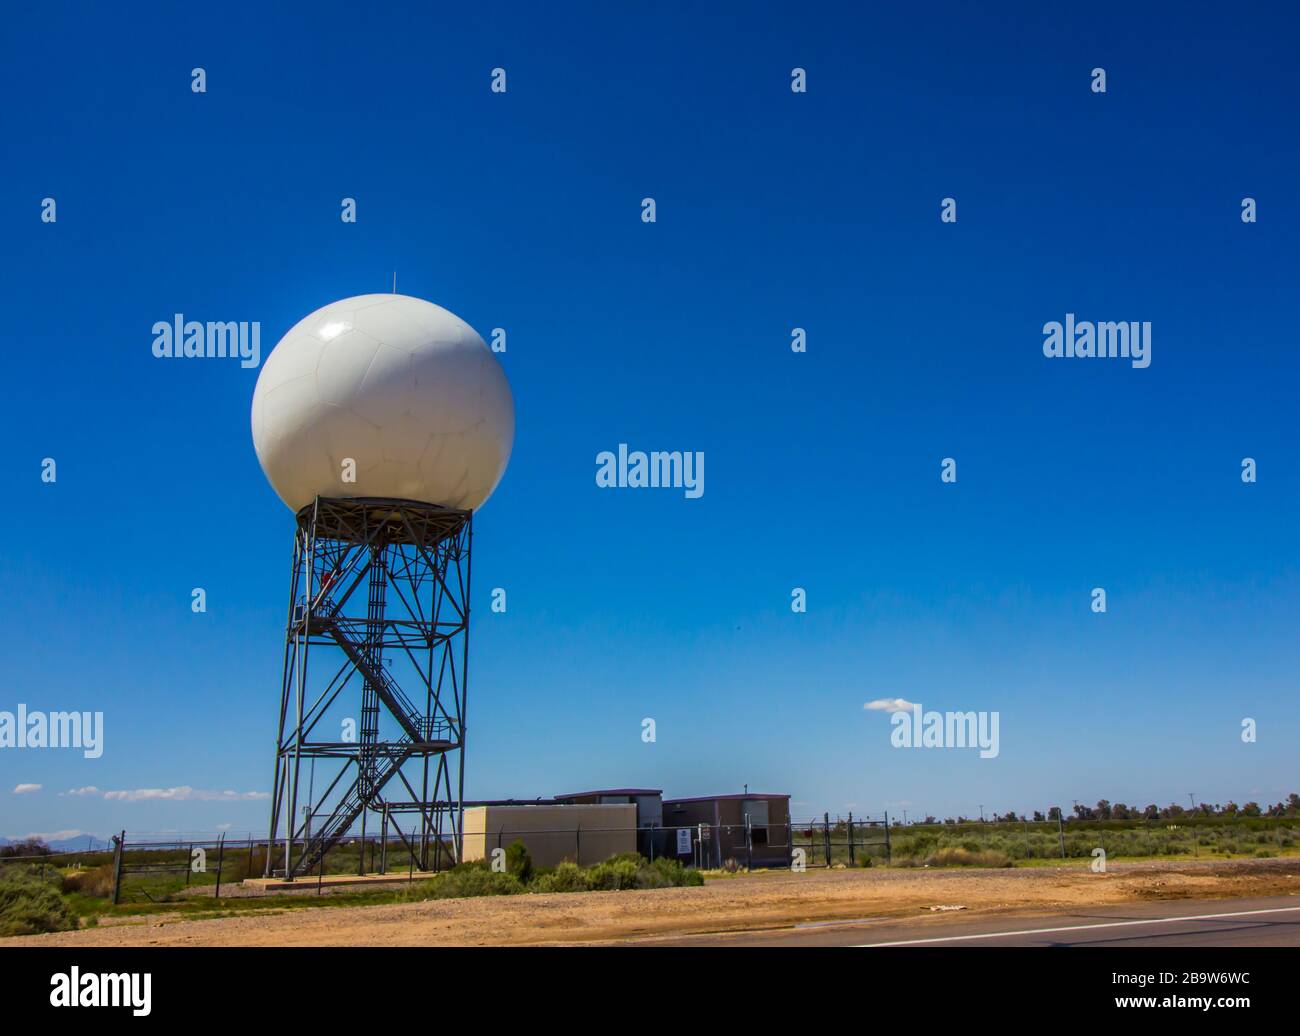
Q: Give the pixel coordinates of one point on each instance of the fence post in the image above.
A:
(189, 861)
(320, 869)
(826, 837)
(749, 844)
(852, 858)
(221, 853)
(383, 844)
(117, 867)
(1060, 831)
(889, 849)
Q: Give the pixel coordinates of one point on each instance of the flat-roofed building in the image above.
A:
(585, 833)
(650, 839)
(752, 827)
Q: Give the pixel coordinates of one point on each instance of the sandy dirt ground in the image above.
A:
(757, 902)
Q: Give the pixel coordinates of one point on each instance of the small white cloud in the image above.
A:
(184, 793)
(181, 793)
(26, 789)
(889, 705)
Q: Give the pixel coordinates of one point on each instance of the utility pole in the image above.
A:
(981, 812)
(1191, 797)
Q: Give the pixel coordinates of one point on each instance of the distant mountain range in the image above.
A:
(79, 843)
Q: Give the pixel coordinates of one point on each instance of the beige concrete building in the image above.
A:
(585, 834)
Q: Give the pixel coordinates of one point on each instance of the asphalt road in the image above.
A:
(1273, 921)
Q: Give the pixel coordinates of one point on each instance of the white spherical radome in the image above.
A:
(404, 388)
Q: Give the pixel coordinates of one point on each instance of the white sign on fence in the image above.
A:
(683, 841)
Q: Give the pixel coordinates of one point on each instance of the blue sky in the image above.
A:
(775, 210)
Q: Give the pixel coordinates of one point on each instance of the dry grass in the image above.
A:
(772, 900)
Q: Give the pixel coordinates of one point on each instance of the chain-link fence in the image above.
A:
(854, 841)
(158, 871)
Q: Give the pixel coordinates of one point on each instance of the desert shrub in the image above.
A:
(97, 881)
(567, 877)
(518, 860)
(921, 844)
(651, 878)
(676, 874)
(465, 881)
(730, 865)
(962, 857)
(625, 871)
(30, 904)
(666, 873)
(613, 875)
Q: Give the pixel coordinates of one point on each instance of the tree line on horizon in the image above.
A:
(1105, 810)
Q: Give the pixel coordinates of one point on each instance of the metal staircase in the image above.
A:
(349, 807)
(377, 762)
(407, 565)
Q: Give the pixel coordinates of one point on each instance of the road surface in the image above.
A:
(1272, 921)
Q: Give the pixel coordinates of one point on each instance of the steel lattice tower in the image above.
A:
(375, 674)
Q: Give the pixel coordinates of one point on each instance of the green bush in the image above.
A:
(567, 877)
(961, 857)
(630, 871)
(625, 871)
(464, 881)
(30, 904)
(613, 875)
(518, 860)
(652, 878)
(666, 873)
